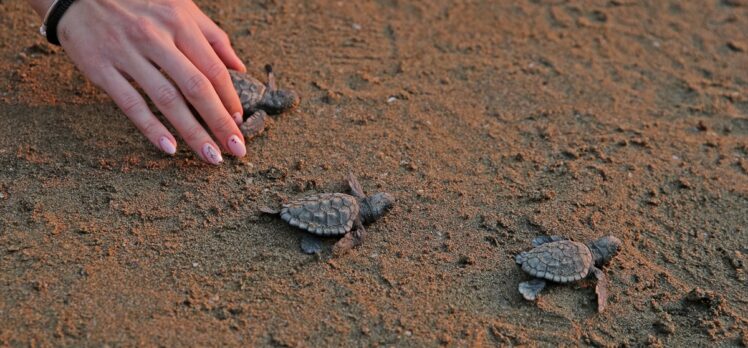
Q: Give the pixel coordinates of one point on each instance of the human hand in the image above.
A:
(111, 41)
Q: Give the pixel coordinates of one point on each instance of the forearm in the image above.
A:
(40, 6)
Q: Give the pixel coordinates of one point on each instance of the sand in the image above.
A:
(491, 121)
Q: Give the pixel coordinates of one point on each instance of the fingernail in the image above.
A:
(238, 118)
(211, 154)
(237, 146)
(167, 146)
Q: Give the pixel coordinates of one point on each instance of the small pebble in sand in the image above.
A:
(736, 46)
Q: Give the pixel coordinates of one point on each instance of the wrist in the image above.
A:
(41, 6)
(52, 20)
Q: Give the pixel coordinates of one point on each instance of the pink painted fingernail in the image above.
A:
(167, 146)
(238, 118)
(237, 147)
(211, 154)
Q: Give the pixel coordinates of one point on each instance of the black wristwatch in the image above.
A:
(52, 19)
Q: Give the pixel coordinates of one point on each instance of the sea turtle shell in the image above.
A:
(326, 214)
(250, 90)
(562, 261)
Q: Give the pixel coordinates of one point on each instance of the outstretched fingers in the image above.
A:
(200, 53)
(219, 40)
(168, 99)
(198, 89)
(176, 54)
(136, 109)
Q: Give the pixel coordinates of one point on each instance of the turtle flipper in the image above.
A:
(521, 258)
(530, 289)
(601, 289)
(540, 240)
(255, 124)
(352, 239)
(311, 245)
(356, 187)
(272, 85)
(359, 234)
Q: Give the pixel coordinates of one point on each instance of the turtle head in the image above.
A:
(276, 101)
(375, 206)
(604, 249)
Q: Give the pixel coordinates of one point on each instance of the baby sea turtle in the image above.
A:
(335, 214)
(561, 260)
(260, 100)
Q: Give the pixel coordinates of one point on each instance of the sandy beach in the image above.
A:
(492, 122)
